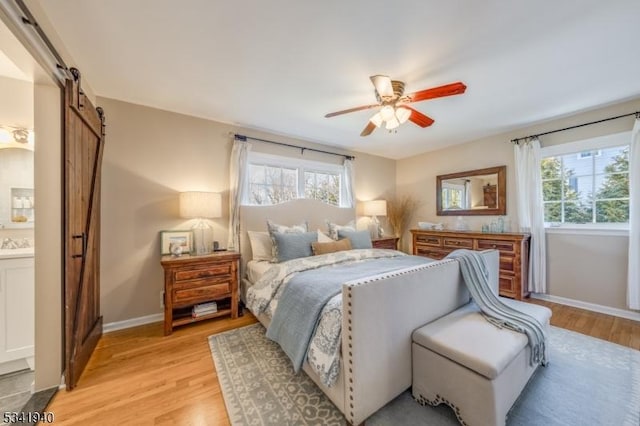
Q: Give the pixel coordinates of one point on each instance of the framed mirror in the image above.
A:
(474, 192)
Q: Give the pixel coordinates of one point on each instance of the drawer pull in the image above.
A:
(494, 245)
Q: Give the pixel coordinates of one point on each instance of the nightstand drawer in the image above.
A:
(385, 243)
(458, 243)
(203, 291)
(504, 246)
(209, 271)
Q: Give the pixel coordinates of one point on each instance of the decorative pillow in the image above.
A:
(273, 228)
(333, 228)
(324, 238)
(359, 239)
(331, 247)
(261, 245)
(292, 245)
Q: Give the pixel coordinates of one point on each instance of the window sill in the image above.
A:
(611, 232)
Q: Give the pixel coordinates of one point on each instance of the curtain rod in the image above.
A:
(301, 148)
(517, 140)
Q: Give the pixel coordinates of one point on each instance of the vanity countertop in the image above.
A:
(16, 253)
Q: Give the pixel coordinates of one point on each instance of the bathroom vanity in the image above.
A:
(17, 313)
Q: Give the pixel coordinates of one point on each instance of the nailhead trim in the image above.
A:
(348, 355)
(440, 400)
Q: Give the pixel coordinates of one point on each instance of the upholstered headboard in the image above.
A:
(254, 218)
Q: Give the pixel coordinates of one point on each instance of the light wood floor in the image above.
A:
(140, 377)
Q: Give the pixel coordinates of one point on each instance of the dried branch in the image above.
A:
(400, 211)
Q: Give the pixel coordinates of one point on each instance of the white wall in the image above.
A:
(585, 268)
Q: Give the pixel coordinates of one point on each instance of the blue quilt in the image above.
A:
(303, 298)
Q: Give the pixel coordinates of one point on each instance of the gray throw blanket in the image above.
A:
(476, 277)
(302, 300)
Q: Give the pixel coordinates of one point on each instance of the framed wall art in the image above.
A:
(183, 238)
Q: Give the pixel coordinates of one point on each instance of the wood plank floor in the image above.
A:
(139, 376)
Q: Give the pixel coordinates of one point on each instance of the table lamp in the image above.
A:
(201, 206)
(374, 209)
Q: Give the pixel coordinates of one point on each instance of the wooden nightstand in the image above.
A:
(190, 280)
(385, 243)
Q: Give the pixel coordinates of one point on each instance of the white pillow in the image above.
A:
(261, 245)
(324, 238)
(333, 228)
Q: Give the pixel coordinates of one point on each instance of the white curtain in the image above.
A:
(633, 284)
(349, 200)
(467, 194)
(531, 210)
(237, 177)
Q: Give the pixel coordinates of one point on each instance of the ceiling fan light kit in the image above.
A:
(395, 111)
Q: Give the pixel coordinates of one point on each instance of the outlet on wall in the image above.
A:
(162, 299)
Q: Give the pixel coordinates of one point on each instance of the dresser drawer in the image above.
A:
(503, 246)
(198, 291)
(457, 243)
(507, 263)
(507, 284)
(428, 240)
(431, 252)
(209, 271)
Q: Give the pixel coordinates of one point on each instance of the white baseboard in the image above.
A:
(133, 322)
(608, 310)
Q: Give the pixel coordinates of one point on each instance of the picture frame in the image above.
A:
(184, 237)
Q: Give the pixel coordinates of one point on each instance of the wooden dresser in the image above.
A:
(191, 280)
(514, 253)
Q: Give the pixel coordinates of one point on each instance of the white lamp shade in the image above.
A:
(392, 124)
(375, 208)
(403, 114)
(376, 119)
(387, 113)
(200, 205)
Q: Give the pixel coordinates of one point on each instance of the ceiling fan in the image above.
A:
(395, 109)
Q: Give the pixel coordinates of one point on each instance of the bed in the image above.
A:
(378, 311)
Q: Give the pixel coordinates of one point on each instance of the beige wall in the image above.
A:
(150, 156)
(601, 260)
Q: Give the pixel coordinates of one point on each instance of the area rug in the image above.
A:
(588, 382)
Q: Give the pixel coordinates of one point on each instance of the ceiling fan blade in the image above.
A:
(419, 118)
(437, 92)
(368, 129)
(346, 111)
(383, 86)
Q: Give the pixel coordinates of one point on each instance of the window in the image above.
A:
(275, 179)
(271, 184)
(324, 186)
(587, 182)
(452, 196)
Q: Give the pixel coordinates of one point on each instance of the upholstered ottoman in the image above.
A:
(471, 365)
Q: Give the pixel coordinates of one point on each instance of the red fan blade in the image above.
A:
(419, 118)
(437, 92)
(369, 129)
(346, 111)
(383, 86)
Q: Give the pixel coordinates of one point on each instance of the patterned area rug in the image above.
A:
(588, 382)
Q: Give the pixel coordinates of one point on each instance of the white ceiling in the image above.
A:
(281, 65)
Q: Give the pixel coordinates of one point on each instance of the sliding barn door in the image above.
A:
(83, 147)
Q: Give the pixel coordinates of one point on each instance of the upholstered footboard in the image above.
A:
(379, 315)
